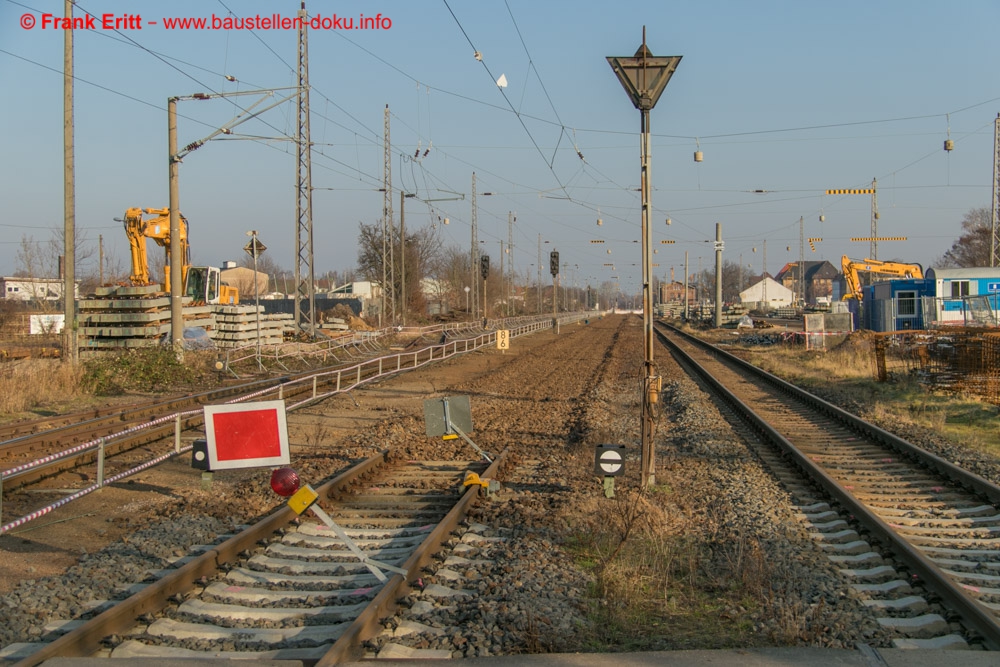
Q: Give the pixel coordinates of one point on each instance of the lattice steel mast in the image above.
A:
(388, 261)
(304, 270)
(994, 238)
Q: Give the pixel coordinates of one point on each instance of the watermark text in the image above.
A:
(256, 22)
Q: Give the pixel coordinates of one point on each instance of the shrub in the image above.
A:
(146, 369)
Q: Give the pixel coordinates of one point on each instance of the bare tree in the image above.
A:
(83, 249)
(422, 248)
(32, 260)
(450, 270)
(974, 246)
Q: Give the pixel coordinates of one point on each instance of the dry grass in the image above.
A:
(666, 581)
(32, 383)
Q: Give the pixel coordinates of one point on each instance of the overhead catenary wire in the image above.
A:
(572, 187)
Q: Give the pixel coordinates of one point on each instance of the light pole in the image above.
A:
(554, 270)
(254, 248)
(467, 289)
(402, 253)
(174, 158)
(644, 78)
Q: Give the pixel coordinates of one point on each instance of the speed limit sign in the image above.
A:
(503, 339)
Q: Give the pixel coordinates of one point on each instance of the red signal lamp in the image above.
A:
(285, 482)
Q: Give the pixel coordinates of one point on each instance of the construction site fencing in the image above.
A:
(960, 359)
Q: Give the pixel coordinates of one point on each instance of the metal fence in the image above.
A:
(960, 359)
(318, 386)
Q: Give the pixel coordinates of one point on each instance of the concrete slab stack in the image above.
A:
(236, 326)
(129, 317)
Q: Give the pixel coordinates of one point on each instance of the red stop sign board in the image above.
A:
(246, 435)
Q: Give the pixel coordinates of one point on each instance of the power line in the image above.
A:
(507, 100)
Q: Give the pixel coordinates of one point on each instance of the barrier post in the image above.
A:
(100, 462)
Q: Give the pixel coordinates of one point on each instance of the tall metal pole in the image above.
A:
(698, 294)
(69, 197)
(647, 293)
(555, 320)
(763, 275)
(474, 253)
(256, 293)
(995, 235)
(874, 241)
(539, 283)
(388, 226)
(305, 284)
(402, 258)
(503, 286)
(176, 257)
(802, 259)
(686, 297)
(510, 261)
(718, 275)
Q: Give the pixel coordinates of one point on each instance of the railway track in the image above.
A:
(45, 448)
(305, 595)
(916, 535)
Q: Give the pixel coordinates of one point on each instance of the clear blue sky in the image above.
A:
(789, 97)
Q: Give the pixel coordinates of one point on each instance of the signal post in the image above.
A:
(644, 78)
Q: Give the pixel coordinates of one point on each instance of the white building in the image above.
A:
(25, 289)
(362, 289)
(767, 294)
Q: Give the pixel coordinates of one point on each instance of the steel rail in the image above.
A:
(366, 625)
(86, 639)
(361, 373)
(973, 614)
(969, 480)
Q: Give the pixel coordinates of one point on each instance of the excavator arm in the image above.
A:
(852, 267)
(138, 229)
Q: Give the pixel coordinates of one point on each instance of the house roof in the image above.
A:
(814, 270)
(774, 289)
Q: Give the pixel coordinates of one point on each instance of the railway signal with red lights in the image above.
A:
(285, 482)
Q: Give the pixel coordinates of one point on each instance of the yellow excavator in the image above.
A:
(202, 283)
(852, 267)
